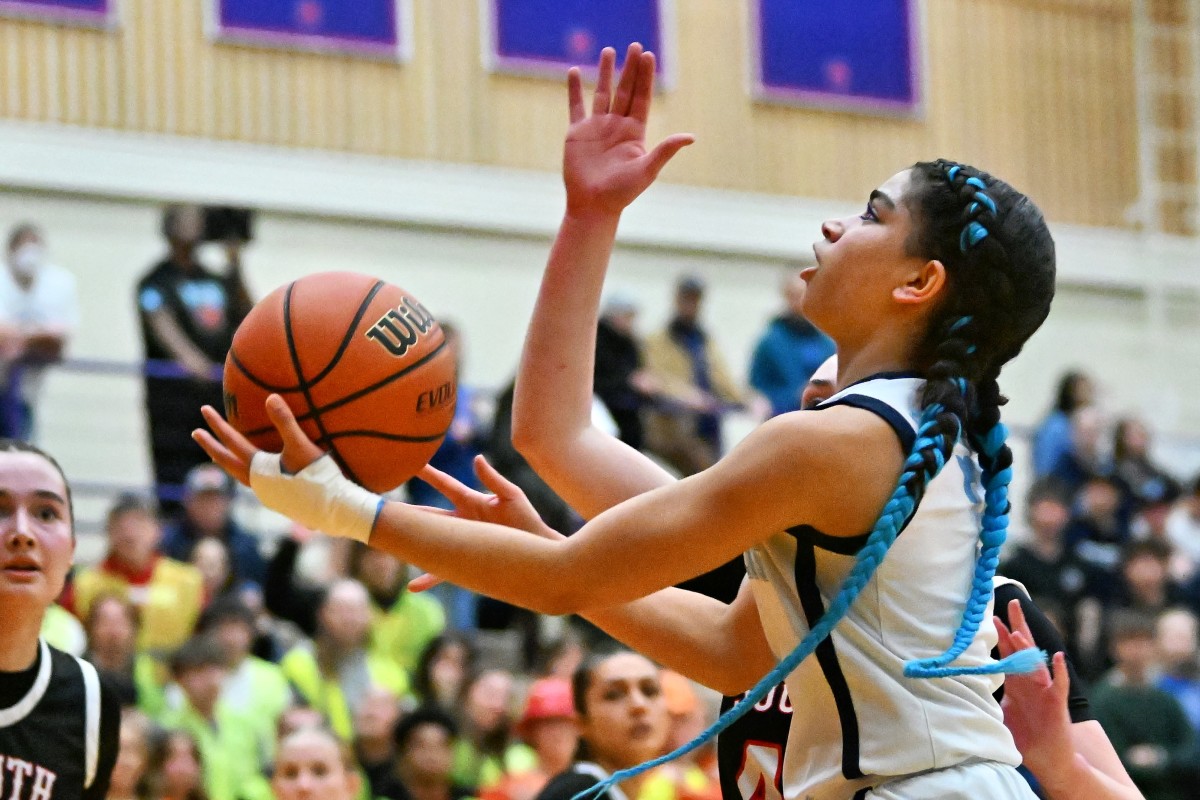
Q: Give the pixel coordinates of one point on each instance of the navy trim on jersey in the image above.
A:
(814, 609)
(842, 545)
(902, 427)
(885, 376)
(862, 793)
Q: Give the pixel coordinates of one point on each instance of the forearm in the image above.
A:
(696, 636)
(552, 405)
(1080, 780)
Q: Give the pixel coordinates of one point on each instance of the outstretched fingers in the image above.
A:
(602, 99)
(496, 483)
(657, 158)
(639, 102)
(298, 450)
(630, 82)
(575, 107)
(228, 448)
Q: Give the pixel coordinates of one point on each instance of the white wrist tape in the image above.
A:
(319, 497)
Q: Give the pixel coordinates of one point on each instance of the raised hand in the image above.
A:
(605, 162)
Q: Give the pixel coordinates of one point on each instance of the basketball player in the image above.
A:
(58, 725)
(927, 293)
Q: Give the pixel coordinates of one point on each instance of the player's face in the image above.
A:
(626, 720)
(309, 767)
(861, 260)
(36, 541)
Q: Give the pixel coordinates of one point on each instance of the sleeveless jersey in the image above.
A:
(59, 741)
(857, 721)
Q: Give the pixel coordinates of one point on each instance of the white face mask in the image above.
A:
(28, 259)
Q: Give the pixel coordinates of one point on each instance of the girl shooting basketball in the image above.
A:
(866, 515)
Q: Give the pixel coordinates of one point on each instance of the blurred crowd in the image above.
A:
(227, 644)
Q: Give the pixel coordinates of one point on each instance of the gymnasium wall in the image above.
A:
(1039, 91)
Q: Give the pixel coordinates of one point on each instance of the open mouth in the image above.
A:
(22, 568)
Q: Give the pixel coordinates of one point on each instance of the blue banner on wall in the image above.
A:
(548, 36)
(86, 12)
(852, 54)
(369, 27)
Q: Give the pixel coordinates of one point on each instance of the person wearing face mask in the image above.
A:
(39, 310)
(188, 316)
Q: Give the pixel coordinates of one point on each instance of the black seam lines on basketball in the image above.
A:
(306, 389)
(350, 398)
(358, 315)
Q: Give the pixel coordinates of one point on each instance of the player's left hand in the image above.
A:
(1035, 704)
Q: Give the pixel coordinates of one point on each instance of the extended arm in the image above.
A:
(605, 166)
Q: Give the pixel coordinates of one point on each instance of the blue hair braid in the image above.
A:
(995, 529)
(925, 460)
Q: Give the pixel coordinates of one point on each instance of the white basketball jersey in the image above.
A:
(856, 720)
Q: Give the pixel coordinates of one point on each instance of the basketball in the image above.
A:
(365, 368)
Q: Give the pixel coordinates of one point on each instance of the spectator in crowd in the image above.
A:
(485, 752)
(374, 726)
(547, 726)
(1084, 459)
(1097, 532)
(1146, 725)
(39, 311)
(188, 317)
(1052, 573)
(621, 380)
(298, 717)
(211, 558)
(208, 514)
(442, 670)
(167, 593)
(403, 623)
(1052, 440)
(133, 755)
(684, 429)
(1183, 523)
(789, 352)
(1146, 583)
(562, 656)
(623, 721)
(424, 758)
(695, 775)
(234, 745)
(251, 684)
(62, 629)
(112, 630)
(1176, 638)
(176, 768)
(1144, 480)
(334, 671)
(313, 763)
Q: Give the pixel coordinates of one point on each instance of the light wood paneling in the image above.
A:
(1039, 92)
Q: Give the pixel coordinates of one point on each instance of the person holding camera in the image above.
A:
(188, 316)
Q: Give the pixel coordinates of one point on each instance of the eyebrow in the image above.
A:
(44, 494)
(882, 198)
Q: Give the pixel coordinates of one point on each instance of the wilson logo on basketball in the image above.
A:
(434, 399)
(401, 327)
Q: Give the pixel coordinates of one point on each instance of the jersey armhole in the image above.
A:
(899, 424)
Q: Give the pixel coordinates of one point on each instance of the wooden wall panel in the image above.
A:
(1038, 91)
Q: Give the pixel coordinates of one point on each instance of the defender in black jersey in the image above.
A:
(58, 724)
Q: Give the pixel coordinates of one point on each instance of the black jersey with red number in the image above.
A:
(58, 730)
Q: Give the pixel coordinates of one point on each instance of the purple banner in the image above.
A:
(83, 12)
(857, 55)
(548, 36)
(368, 27)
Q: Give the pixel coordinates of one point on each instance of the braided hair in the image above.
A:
(999, 261)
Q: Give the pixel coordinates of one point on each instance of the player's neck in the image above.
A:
(19, 641)
(879, 355)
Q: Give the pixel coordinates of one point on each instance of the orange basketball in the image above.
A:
(364, 366)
